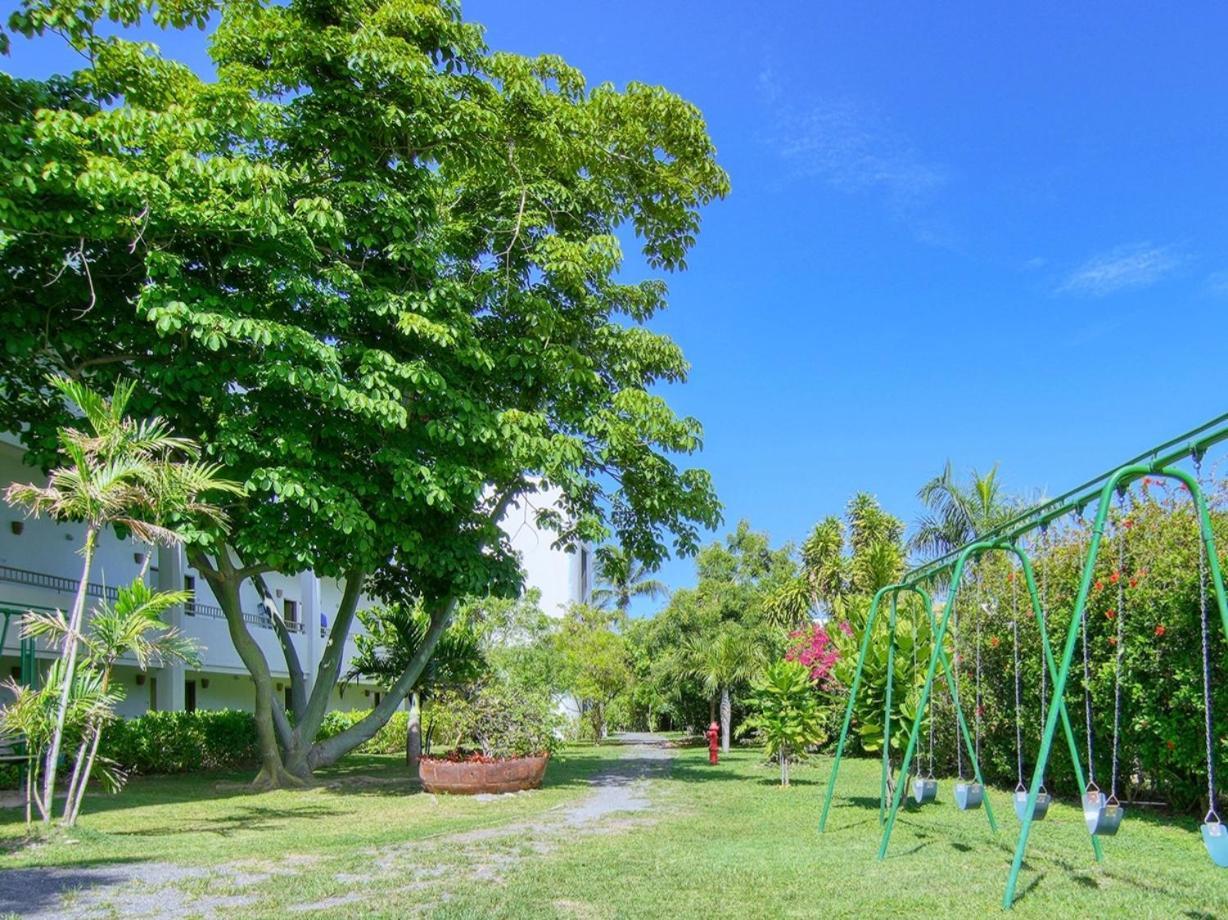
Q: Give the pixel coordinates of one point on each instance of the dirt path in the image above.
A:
(619, 801)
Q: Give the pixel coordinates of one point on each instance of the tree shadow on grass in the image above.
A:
(246, 818)
(41, 890)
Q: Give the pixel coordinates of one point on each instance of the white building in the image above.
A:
(39, 568)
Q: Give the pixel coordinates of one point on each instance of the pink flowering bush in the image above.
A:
(813, 648)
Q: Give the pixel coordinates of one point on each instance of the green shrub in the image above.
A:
(182, 742)
(390, 739)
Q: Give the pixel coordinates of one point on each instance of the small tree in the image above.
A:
(132, 625)
(595, 662)
(786, 715)
(119, 472)
(34, 718)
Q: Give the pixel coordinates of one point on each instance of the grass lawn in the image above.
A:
(723, 841)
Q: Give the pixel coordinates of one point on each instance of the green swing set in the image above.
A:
(1103, 815)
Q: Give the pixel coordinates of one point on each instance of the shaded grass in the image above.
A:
(199, 819)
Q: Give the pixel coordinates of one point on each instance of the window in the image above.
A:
(289, 611)
(583, 574)
(287, 700)
(377, 698)
(189, 696)
(153, 694)
(189, 584)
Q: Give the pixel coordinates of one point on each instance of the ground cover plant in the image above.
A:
(688, 838)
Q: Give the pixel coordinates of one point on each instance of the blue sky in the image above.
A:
(988, 232)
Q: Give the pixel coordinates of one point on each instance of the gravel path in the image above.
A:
(155, 889)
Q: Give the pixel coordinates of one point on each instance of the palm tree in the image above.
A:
(132, 473)
(958, 513)
(621, 577)
(731, 657)
(132, 625)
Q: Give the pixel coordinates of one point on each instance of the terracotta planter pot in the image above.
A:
(466, 778)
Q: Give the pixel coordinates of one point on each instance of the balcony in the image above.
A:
(258, 617)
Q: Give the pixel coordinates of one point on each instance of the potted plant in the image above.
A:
(507, 736)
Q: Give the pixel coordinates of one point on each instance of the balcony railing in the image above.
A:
(258, 617)
(54, 582)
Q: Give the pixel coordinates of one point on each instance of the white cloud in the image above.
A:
(1130, 266)
(1217, 284)
(856, 151)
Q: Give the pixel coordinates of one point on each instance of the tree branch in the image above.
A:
(334, 651)
(298, 681)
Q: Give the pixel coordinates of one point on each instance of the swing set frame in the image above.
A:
(1157, 462)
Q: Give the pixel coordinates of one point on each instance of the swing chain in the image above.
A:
(1087, 680)
(1044, 612)
(1122, 531)
(1018, 694)
(1206, 654)
(955, 703)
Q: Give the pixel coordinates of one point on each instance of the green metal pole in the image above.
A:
(969, 746)
(1059, 688)
(1038, 610)
(923, 701)
(882, 793)
(848, 710)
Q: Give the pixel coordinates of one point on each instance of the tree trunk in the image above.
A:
(726, 718)
(711, 709)
(71, 642)
(225, 584)
(413, 734)
(301, 751)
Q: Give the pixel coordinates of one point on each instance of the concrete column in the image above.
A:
(309, 591)
(170, 695)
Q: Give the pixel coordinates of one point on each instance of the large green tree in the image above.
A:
(373, 268)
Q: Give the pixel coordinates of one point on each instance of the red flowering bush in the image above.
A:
(814, 648)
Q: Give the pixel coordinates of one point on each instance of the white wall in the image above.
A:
(562, 577)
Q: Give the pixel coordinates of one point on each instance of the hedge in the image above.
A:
(182, 742)
(218, 739)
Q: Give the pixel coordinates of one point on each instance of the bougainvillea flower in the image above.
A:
(1098, 585)
(1115, 577)
(994, 641)
(1160, 630)
(1133, 582)
(1128, 523)
(1171, 745)
(1111, 614)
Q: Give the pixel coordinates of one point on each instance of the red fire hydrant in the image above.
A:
(714, 741)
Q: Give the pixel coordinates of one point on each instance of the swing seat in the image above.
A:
(1215, 837)
(1111, 820)
(1043, 801)
(1093, 809)
(924, 789)
(968, 795)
